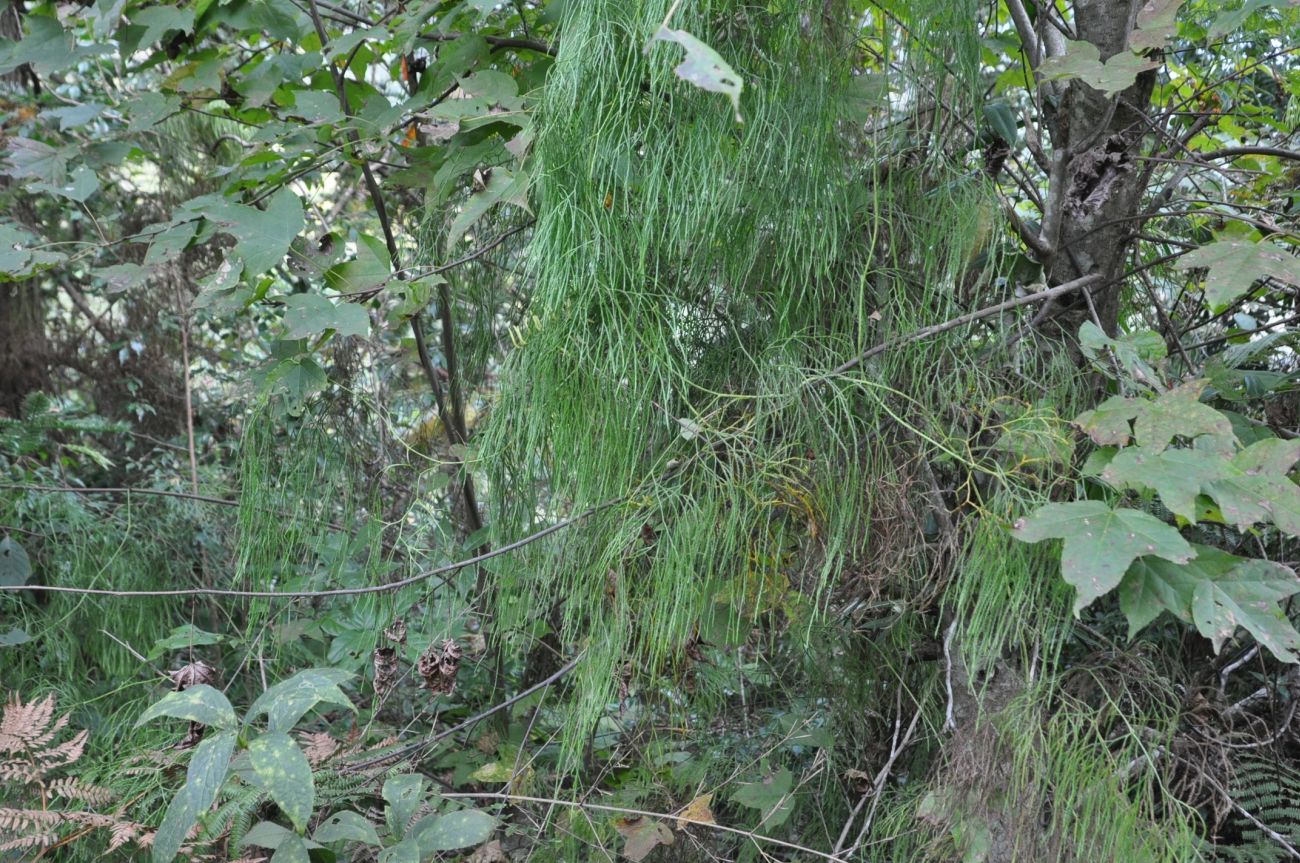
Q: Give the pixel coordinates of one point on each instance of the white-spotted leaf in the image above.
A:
(287, 701)
(1101, 543)
(282, 770)
(346, 826)
(454, 830)
(200, 703)
(203, 780)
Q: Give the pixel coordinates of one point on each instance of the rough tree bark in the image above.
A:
(1096, 186)
(24, 347)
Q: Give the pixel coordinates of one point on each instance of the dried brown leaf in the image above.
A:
(642, 835)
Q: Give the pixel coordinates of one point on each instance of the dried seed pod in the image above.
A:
(385, 661)
(397, 632)
(437, 667)
(193, 674)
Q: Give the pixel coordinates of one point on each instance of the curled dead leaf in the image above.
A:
(437, 667)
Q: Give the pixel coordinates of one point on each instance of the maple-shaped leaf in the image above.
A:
(1255, 486)
(1177, 475)
(1235, 265)
(1180, 413)
(1082, 60)
(1108, 423)
(1152, 586)
(1155, 24)
(1217, 592)
(1247, 596)
(642, 834)
(1101, 543)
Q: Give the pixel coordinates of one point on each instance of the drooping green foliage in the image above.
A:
(682, 378)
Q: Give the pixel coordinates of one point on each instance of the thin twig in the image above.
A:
(988, 311)
(341, 591)
(478, 717)
(643, 813)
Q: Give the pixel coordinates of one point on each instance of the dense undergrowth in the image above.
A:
(699, 530)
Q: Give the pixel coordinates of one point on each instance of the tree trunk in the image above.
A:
(24, 348)
(1096, 190)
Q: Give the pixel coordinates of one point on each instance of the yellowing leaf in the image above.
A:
(1155, 24)
(704, 67)
(696, 812)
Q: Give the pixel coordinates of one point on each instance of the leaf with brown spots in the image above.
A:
(1101, 543)
(642, 835)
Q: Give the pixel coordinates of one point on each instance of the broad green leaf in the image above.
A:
(1152, 585)
(203, 779)
(1180, 413)
(263, 236)
(287, 701)
(1255, 487)
(317, 107)
(15, 566)
(346, 826)
(1082, 60)
(307, 315)
(1133, 351)
(1247, 596)
(282, 770)
(1108, 423)
(74, 116)
(45, 45)
(369, 270)
(168, 243)
(14, 637)
(1177, 475)
(157, 21)
(1002, 120)
(771, 795)
(502, 187)
(414, 296)
(1100, 543)
(199, 703)
(265, 834)
(495, 88)
(297, 379)
(121, 277)
(704, 67)
(1234, 265)
(454, 830)
(183, 637)
(1230, 20)
(291, 850)
(403, 794)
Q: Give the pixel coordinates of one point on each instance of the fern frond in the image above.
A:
(15, 820)
(33, 840)
(73, 789)
(24, 727)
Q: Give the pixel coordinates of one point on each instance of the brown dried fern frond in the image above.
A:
(24, 728)
(29, 840)
(71, 788)
(28, 734)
